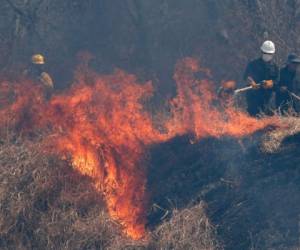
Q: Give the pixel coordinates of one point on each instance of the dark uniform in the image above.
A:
(288, 82)
(296, 90)
(258, 100)
(36, 72)
(283, 98)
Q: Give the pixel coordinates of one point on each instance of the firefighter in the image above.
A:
(262, 75)
(296, 90)
(288, 84)
(36, 72)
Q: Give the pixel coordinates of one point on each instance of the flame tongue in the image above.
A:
(194, 109)
(105, 131)
(119, 185)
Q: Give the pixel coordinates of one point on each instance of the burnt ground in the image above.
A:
(252, 197)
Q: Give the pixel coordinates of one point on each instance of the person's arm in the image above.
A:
(273, 78)
(247, 72)
(296, 82)
(282, 82)
(249, 77)
(276, 77)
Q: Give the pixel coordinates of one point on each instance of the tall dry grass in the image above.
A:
(45, 204)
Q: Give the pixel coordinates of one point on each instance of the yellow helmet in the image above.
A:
(38, 59)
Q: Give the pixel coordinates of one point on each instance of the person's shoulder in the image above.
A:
(249, 65)
(258, 59)
(274, 64)
(283, 69)
(255, 61)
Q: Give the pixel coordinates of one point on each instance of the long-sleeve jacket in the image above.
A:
(260, 71)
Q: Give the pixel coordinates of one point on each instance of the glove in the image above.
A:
(268, 84)
(252, 83)
(283, 89)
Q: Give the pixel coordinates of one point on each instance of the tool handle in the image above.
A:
(237, 91)
(294, 95)
(242, 89)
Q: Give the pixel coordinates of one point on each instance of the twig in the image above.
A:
(17, 10)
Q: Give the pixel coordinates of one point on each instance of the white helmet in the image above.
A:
(268, 47)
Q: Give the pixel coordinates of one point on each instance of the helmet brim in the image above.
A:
(38, 63)
(267, 52)
(295, 61)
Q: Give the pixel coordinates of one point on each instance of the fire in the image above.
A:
(105, 132)
(198, 111)
(102, 128)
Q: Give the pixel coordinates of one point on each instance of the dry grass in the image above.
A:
(187, 229)
(44, 204)
(272, 141)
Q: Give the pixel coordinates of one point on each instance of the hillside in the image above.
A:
(134, 148)
(246, 197)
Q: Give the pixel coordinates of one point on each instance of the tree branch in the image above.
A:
(17, 10)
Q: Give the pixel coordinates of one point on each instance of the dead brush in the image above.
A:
(189, 228)
(272, 141)
(44, 204)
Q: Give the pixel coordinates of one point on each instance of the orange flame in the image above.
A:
(196, 110)
(103, 129)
